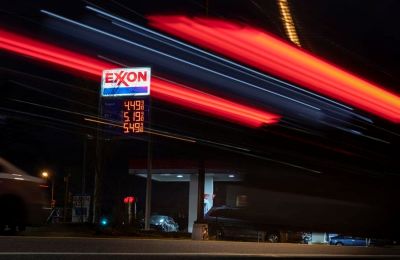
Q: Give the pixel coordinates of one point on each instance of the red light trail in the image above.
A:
(161, 89)
(274, 56)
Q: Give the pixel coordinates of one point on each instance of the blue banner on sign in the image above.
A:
(124, 90)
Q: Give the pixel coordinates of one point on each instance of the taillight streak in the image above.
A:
(274, 56)
(164, 90)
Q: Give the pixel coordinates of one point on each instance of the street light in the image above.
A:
(47, 176)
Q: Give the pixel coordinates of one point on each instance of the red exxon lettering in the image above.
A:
(120, 78)
(123, 77)
(109, 77)
(142, 75)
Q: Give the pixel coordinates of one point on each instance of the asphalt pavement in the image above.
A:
(17, 247)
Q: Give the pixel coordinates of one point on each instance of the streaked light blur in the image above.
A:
(270, 54)
(288, 23)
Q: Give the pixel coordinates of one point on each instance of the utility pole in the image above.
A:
(52, 191)
(83, 190)
(66, 180)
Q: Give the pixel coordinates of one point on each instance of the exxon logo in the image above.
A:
(126, 82)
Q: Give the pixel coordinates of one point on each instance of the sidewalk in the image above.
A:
(88, 230)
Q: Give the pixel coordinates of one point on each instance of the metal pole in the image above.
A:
(134, 210)
(200, 192)
(52, 189)
(84, 166)
(129, 213)
(98, 170)
(149, 175)
(66, 196)
(83, 176)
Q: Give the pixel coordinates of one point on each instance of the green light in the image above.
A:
(103, 221)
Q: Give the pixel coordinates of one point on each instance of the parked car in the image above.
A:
(348, 241)
(162, 223)
(341, 240)
(225, 223)
(22, 199)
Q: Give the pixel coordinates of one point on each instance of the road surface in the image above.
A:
(127, 248)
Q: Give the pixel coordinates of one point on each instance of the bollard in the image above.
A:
(200, 232)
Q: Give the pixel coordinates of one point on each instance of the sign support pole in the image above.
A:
(97, 173)
(149, 174)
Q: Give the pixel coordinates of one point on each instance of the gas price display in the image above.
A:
(133, 116)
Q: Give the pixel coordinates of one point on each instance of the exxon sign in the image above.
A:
(126, 82)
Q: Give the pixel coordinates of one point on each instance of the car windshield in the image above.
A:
(158, 219)
(7, 167)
